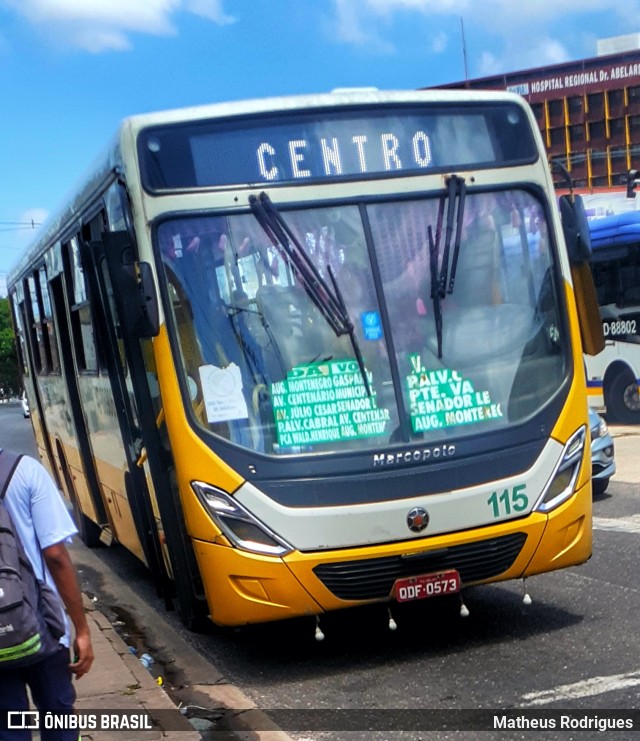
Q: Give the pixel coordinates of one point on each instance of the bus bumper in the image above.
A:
(244, 588)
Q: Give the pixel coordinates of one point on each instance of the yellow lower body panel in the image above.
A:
(246, 588)
(567, 538)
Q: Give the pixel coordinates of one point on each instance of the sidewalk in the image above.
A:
(118, 681)
(626, 442)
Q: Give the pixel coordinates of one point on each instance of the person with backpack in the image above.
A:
(36, 578)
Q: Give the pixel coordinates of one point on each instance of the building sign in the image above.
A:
(444, 398)
(560, 83)
(326, 402)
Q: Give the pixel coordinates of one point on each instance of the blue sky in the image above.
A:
(70, 70)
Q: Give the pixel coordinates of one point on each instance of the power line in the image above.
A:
(30, 222)
(7, 226)
(18, 228)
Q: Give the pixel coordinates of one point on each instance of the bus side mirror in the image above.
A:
(575, 227)
(584, 290)
(133, 286)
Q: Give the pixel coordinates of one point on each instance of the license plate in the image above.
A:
(428, 585)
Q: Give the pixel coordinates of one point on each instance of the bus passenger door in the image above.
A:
(118, 428)
(72, 441)
(155, 504)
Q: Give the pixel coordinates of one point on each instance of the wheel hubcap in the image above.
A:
(632, 397)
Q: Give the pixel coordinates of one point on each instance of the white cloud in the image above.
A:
(34, 216)
(504, 12)
(211, 9)
(489, 64)
(518, 34)
(538, 52)
(30, 223)
(507, 14)
(352, 26)
(438, 42)
(386, 7)
(99, 25)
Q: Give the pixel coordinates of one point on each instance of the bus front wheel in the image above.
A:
(622, 398)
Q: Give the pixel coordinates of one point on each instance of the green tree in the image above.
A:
(9, 368)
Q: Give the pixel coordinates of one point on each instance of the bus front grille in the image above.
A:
(373, 578)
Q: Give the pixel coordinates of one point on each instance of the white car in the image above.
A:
(603, 464)
(26, 412)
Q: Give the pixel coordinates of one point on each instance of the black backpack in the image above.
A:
(31, 619)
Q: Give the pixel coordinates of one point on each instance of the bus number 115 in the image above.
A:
(514, 500)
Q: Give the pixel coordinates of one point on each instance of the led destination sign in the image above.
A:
(380, 142)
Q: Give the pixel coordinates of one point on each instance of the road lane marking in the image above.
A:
(585, 688)
(621, 525)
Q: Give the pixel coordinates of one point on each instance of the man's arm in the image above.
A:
(64, 575)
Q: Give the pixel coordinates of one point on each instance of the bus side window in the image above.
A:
(86, 350)
(189, 346)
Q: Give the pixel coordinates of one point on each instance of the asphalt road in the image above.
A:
(575, 647)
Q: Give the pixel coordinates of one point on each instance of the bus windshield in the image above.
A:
(349, 327)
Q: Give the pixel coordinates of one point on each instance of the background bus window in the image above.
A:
(618, 279)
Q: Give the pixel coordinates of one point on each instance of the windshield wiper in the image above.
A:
(295, 256)
(327, 299)
(442, 281)
(456, 196)
(435, 287)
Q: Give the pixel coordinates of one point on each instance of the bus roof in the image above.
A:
(614, 231)
(339, 97)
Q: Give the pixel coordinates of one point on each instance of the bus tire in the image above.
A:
(622, 399)
(193, 613)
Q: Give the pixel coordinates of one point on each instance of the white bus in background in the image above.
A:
(613, 375)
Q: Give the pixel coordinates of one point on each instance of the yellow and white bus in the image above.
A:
(309, 353)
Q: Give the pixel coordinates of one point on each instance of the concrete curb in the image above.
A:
(122, 682)
(118, 681)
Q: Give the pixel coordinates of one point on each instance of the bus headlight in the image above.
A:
(563, 481)
(239, 525)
